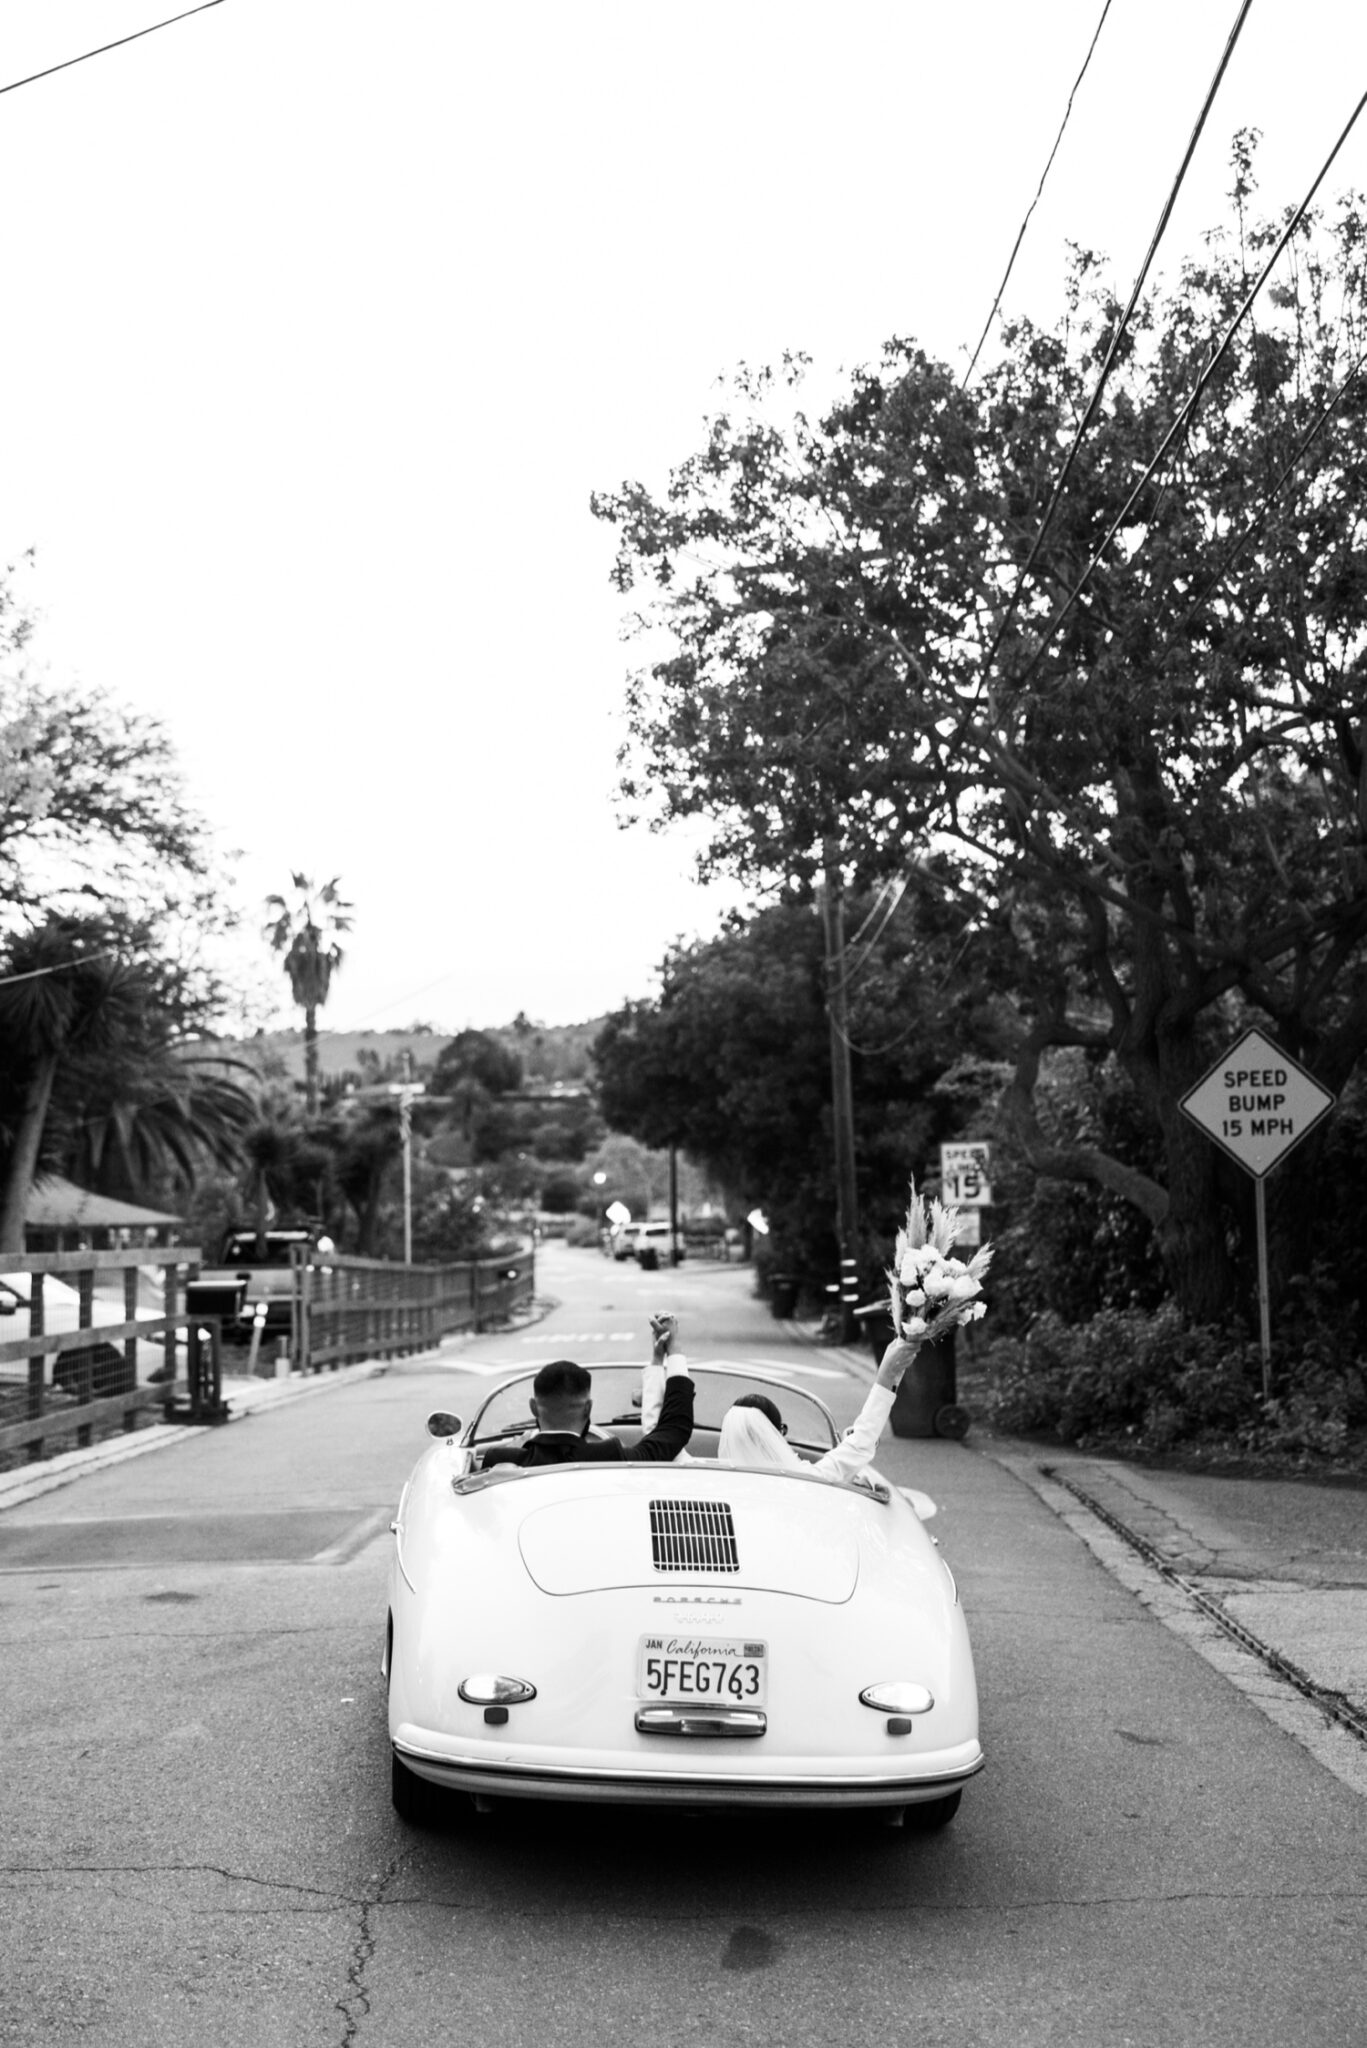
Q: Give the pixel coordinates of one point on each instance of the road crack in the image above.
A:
(354, 2006)
(280, 1884)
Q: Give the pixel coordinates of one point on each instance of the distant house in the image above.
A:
(64, 1218)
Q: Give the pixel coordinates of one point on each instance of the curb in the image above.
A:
(857, 1363)
(28, 1482)
(244, 1397)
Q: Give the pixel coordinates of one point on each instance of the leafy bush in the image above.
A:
(560, 1192)
(1153, 1383)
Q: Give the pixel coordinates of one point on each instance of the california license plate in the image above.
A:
(723, 1670)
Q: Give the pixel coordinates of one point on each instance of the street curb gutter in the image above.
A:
(1301, 1709)
(1334, 1704)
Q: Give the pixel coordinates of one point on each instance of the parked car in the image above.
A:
(653, 1245)
(262, 1261)
(696, 1634)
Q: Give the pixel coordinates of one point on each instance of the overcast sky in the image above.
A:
(323, 319)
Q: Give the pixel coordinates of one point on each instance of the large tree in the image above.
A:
(92, 804)
(732, 1064)
(1156, 791)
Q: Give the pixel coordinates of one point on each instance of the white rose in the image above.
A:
(938, 1283)
(914, 1296)
(914, 1261)
(913, 1326)
(971, 1315)
(963, 1287)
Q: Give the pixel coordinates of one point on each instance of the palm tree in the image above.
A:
(371, 1146)
(64, 991)
(98, 1077)
(161, 1112)
(306, 934)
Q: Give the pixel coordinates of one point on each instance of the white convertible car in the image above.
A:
(697, 1633)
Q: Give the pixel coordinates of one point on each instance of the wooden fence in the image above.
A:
(82, 1379)
(348, 1309)
(93, 1383)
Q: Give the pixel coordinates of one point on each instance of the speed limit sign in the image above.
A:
(963, 1176)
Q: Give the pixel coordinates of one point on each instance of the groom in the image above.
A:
(562, 1401)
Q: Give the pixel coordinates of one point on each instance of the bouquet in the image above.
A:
(930, 1291)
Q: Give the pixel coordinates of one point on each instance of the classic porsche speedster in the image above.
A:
(691, 1633)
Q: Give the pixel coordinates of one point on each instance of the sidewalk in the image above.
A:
(244, 1395)
(1284, 1560)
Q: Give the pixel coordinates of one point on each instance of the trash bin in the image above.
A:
(782, 1296)
(221, 1298)
(926, 1402)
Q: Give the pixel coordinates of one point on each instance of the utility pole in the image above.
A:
(407, 1092)
(842, 1092)
(673, 1203)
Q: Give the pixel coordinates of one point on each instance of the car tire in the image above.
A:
(930, 1814)
(415, 1801)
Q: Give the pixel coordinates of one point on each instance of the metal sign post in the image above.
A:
(1256, 1102)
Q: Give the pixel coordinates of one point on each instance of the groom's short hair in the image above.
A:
(563, 1380)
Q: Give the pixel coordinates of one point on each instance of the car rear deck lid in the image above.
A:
(718, 1539)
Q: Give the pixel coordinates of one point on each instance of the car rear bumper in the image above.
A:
(694, 1788)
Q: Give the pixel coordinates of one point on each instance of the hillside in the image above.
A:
(549, 1052)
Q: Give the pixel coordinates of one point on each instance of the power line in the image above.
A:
(61, 967)
(1011, 260)
(1116, 339)
(1188, 411)
(67, 62)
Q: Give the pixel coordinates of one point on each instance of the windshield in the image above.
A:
(247, 1249)
(617, 1400)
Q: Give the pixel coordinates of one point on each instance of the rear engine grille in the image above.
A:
(693, 1536)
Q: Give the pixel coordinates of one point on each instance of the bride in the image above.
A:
(752, 1430)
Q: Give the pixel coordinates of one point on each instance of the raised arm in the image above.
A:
(666, 1396)
(664, 1330)
(854, 1453)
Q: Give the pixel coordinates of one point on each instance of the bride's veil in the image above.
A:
(748, 1437)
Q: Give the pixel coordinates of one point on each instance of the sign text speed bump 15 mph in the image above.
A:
(1256, 1102)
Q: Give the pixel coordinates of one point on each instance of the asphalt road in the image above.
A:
(198, 1845)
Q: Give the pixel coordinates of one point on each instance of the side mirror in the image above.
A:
(921, 1504)
(444, 1425)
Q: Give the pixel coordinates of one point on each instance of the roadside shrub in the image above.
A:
(1153, 1383)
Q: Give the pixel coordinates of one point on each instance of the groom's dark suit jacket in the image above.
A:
(558, 1447)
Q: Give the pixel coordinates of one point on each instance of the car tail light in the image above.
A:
(898, 1696)
(491, 1689)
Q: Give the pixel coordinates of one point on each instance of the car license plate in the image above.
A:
(726, 1671)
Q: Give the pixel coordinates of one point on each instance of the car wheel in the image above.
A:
(929, 1814)
(414, 1799)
